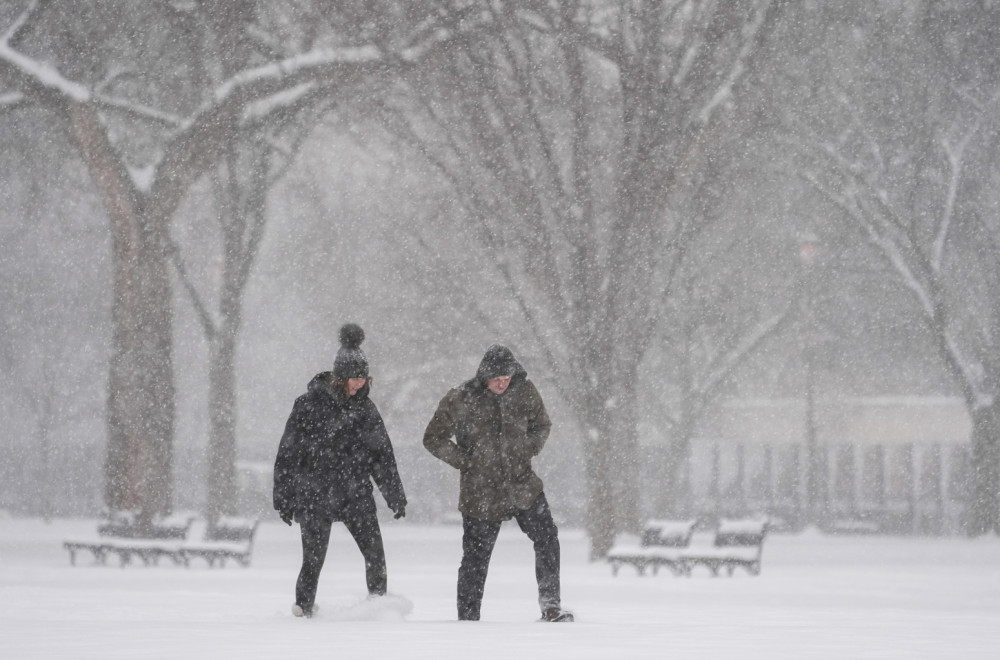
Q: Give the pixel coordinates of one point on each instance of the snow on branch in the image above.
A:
(286, 98)
(727, 363)
(19, 22)
(10, 99)
(43, 75)
(971, 372)
(304, 66)
(724, 90)
(139, 110)
(34, 72)
(296, 65)
(893, 253)
(955, 154)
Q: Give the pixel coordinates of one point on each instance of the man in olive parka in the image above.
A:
(489, 428)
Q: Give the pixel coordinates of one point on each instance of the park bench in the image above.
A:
(662, 543)
(231, 538)
(124, 537)
(125, 524)
(173, 537)
(737, 544)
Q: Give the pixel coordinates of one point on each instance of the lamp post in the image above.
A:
(808, 247)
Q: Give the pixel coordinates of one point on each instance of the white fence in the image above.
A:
(916, 488)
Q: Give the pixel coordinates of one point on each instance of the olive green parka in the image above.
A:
(491, 439)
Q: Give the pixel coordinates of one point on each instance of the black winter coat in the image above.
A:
(332, 448)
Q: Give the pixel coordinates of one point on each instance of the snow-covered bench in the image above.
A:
(230, 538)
(123, 537)
(662, 544)
(737, 544)
(126, 524)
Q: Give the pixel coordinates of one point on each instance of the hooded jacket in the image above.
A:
(491, 439)
(332, 448)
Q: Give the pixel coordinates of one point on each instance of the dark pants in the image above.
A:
(478, 539)
(363, 526)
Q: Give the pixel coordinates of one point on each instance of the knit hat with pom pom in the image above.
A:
(351, 361)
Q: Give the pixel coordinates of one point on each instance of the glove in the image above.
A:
(400, 512)
(286, 516)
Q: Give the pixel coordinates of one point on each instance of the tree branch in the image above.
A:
(204, 316)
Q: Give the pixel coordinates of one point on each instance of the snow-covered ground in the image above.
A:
(818, 597)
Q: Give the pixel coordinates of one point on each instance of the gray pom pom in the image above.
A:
(351, 335)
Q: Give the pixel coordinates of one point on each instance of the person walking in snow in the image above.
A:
(334, 445)
(489, 428)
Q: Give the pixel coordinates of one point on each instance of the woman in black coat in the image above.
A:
(334, 445)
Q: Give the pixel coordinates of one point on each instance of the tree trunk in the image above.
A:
(612, 466)
(241, 190)
(674, 496)
(983, 514)
(141, 390)
(222, 421)
(140, 421)
(625, 457)
(598, 449)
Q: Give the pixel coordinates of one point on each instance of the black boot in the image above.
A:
(555, 614)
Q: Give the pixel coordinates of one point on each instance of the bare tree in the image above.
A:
(905, 160)
(565, 128)
(713, 326)
(241, 219)
(153, 97)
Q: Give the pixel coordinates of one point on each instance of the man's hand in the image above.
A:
(286, 516)
(400, 512)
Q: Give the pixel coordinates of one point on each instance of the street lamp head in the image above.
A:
(808, 246)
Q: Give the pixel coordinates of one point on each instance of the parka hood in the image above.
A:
(498, 361)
